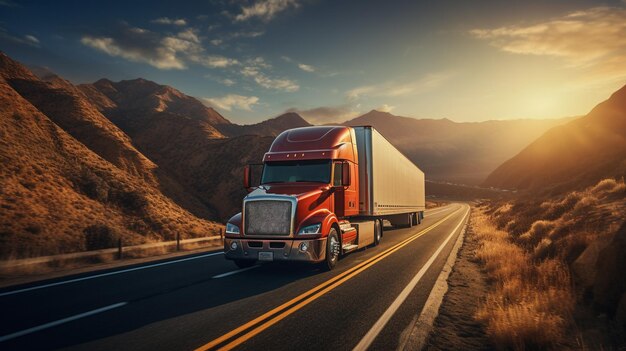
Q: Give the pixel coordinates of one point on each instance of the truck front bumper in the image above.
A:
(310, 250)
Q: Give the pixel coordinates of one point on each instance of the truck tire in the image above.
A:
(245, 263)
(378, 231)
(333, 248)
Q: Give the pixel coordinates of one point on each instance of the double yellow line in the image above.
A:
(304, 299)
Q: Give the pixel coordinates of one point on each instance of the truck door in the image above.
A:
(346, 203)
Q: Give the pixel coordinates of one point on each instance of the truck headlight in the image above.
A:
(231, 228)
(311, 229)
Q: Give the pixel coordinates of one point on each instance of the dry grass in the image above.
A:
(57, 196)
(527, 249)
(530, 304)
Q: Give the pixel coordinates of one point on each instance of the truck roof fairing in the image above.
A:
(309, 143)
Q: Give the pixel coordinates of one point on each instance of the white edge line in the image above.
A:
(422, 325)
(233, 272)
(382, 321)
(106, 274)
(60, 321)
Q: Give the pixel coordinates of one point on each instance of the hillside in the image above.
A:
(203, 152)
(579, 153)
(452, 151)
(147, 96)
(58, 196)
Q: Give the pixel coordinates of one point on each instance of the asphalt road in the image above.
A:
(203, 301)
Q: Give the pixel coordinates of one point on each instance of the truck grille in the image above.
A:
(267, 217)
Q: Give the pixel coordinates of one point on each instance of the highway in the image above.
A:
(204, 302)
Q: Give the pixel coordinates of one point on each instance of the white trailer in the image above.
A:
(390, 185)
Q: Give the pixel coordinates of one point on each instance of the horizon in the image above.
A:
(458, 61)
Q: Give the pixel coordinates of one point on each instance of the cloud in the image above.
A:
(265, 10)
(213, 61)
(593, 38)
(385, 108)
(160, 51)
(306, 68)
(302, 66)
(327, 114)
(270, 83)
(253, 69)
(395, 89)
(246, 34)
(231, 101)
(166, 20)
(216, 42)
(32, 39)
(8, 3)
(227, 82)
(21, 39)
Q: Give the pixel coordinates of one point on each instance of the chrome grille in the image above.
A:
(267, 217)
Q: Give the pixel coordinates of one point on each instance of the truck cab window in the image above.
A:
(316, 171)
(337, 175)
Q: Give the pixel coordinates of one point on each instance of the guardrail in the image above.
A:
(119, 252)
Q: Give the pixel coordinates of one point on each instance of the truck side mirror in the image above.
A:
(246, 176)
(345, 174)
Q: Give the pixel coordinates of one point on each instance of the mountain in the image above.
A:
(195, 145)
(578, 153)
(65, 105)
(147, 96)
(270, 127)
(452, 151)
(57, 195)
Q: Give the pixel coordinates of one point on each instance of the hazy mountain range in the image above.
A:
(84, 165)
(452, 151)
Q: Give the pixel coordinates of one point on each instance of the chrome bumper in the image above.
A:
(283, 250)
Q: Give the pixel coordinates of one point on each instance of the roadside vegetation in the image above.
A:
(546, 259)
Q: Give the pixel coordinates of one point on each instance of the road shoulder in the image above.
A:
(454, 327)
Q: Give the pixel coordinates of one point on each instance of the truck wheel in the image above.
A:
(245, 263)
(378, 231)
(333, 247)
(410, 220)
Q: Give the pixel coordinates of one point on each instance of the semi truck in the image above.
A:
(324, 191)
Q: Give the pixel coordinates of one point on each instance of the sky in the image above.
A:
(334, 60)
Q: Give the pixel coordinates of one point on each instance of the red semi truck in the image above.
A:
(324, 191)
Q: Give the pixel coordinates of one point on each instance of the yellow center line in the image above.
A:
(309, 296)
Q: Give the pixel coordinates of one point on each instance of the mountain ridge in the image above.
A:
(461, 152)
(578, 153)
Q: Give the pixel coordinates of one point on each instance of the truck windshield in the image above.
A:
(317, 171)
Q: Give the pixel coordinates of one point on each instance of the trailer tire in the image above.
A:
(333, 249)
(245, 263)
(378, 231)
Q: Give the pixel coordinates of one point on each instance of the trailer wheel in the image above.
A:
(245, 263)
(378, 231)
(333, 248)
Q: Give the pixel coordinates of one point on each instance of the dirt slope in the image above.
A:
(58, 196)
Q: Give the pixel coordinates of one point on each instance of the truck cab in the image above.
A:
(307, 206)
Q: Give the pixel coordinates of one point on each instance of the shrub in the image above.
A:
(99, 236)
